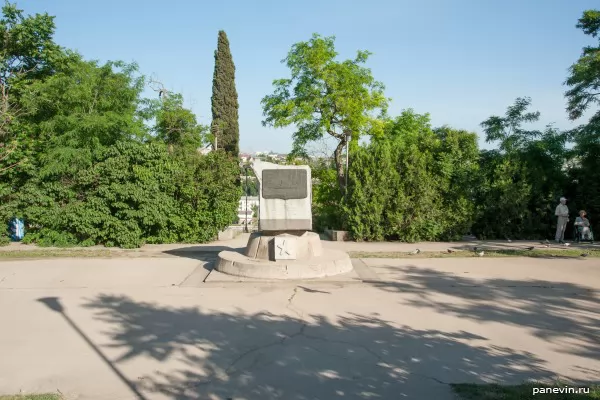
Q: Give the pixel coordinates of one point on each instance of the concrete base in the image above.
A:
(303, 259)
(230, 233)
(333, 263)
(261, 245)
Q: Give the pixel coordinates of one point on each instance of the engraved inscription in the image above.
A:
(285, 248)
(285, 184)
(282, 249)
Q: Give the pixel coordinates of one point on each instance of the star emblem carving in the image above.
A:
(282, 249)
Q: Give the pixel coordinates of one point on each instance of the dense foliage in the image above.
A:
(84, 159)
(418, 183)
(225, 126)
(326, 97)
(412, 184)
(522, 180)
(583, 82)
(87, 161)
(133, 193)
(326, 197)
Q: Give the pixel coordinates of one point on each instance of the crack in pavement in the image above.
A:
(299, 313)
(430, 377)
(230, 370)
(294, 293)
(365, 348)
(301, 332)
(263, 347)
(285, 340)
(4, 277)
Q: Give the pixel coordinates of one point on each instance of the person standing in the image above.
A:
(562, 212)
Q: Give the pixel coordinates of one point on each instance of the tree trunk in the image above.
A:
(340, 166)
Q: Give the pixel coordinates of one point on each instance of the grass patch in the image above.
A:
(536, 253)
(518, 392)
(33, 254)
(47, 396)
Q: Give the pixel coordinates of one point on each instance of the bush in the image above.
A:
(326, 198)
(412, 185)
(133, 193)
(4, 240)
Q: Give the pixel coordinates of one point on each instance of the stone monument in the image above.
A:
(284, 246)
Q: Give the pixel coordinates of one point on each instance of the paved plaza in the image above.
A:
(166, 327)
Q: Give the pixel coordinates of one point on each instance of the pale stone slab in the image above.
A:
(285, 196)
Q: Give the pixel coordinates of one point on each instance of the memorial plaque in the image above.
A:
(285, 184)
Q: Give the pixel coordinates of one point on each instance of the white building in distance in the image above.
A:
(245, 212)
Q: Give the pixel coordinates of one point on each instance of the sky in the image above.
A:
(461, 61)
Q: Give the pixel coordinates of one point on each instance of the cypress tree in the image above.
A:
(225, 125)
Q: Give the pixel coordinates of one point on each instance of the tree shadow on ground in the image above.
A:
(206, 254)
(565, 314)
(266, 356)
(200, 252)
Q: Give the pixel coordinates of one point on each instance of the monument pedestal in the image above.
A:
(284, 248)
(289, 255)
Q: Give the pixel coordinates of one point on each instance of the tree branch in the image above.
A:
(336, 135)
(13, 165)
(158, 86)
(8, 152)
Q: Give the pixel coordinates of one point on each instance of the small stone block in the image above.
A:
(285, 248)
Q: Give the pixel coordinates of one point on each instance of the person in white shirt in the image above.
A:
(562, 212)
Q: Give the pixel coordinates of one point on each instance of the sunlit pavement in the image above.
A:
(131, 329)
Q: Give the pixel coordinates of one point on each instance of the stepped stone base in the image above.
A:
(290, 255)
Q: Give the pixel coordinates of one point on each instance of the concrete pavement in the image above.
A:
(110, 329)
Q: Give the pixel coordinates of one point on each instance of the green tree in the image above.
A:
(27, 52)
(326, 196)
(502, 198)
(96, 173)
(225, 125)
(248, 180)
(324, 96)
(414, 183)
(177, 125)
(508, 131)
(81, 108)
(97, 176)
(584, 191)
(583, 82)
(134, 193)
(585, 73)
(6, 150)
(522, 180)
(458, 165)
(373, 181)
